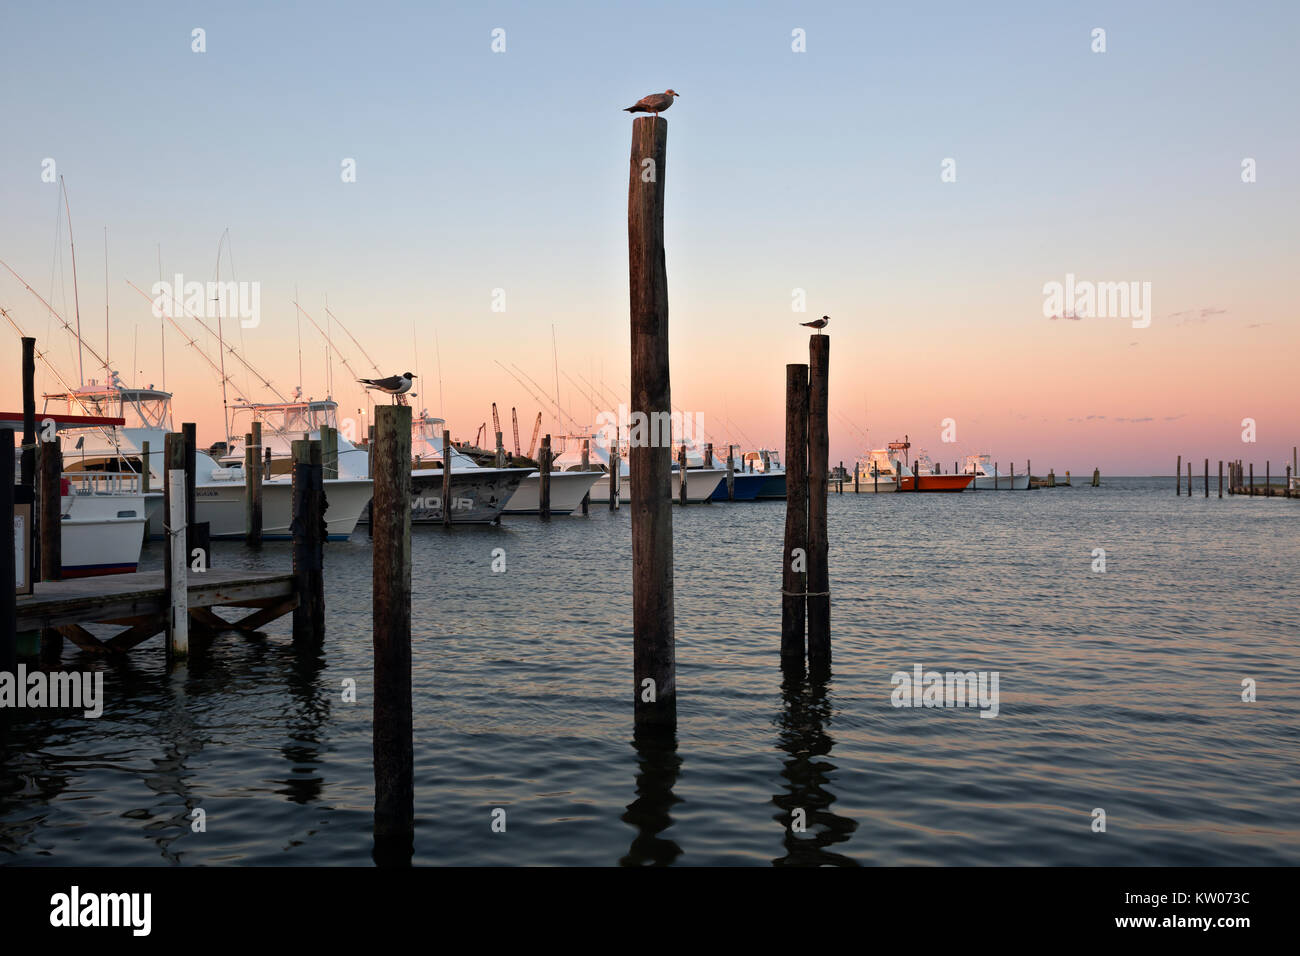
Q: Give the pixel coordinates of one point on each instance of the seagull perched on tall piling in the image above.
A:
(654, 103)
(393, 385)
(818, 324)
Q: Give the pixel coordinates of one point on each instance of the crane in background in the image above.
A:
(478, 436)
(537, 427)
(514, 418)
(496, 423)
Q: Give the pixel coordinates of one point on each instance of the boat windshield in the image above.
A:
(140, 407)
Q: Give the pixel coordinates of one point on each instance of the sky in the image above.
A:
(486, 222)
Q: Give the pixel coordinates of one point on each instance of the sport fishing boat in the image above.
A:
(478, 495)
(877, 472)
(892, 472)
(987, 477)
(219, 491)
(701, 482)
(755, 477)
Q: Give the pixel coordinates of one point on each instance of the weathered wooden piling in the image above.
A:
(650, 463)
(308, 527)
(1268, 481)
(1207, 477)
(446, 478)
(708, 454)
(586, 466)
(855, 477)
(329, 450)
(501, 462)
(794, 558)
(8, 563)
(819, 585)
(544, 466)
(50, 501)
(145, 478)
(1189, 477)
(731, 473)
(253, 485)
(1252, 479)
(1220, 477)
(681, 473)
(1178, 477)
(392, 740)
(1286, 489)
(176, 551)
(28, 452)
(615, 470)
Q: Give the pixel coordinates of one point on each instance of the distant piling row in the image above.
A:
(1240, 479)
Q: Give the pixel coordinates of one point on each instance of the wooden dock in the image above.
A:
(139, 603)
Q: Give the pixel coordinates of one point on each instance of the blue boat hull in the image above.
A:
(747, 486)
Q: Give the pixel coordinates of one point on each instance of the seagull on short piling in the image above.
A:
(654, 103)
(393, 385)
(818, 324)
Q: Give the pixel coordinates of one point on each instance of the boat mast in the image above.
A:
(221, 346)
(76, 300)
(162, 328)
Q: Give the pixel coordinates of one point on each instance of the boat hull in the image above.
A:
(221, 505)
(941, 483)
(701, 483)
(101, 534)
(1004, 483)
(567, 491)
(871, 486)
(478, 495)
(745, 486)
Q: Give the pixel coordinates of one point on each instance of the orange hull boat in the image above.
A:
(936, 483)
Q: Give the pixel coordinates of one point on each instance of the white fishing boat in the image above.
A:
(878, 472)
(102, 525)
(219, 491)
(767, 462)
(989, 478)
(478, 495)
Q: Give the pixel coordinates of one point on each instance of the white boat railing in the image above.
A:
(103, 482)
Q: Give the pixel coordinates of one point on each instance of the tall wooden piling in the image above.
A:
(1178, 477)
(309, 534)
(681, 473)
(1207, 477)
(650, 463)
(615, 470)
(145, 478)
(1220, 477)
(28, 453)
(1252, 479)
(819, 585)
(175, 565)
(253, 485)
(392, 740)
(50, 501)
(586, 466)
(794, 558)
(1268, 481)
(855, 477)
(446, 478)
(329, 450)
(8, 565)
(544, 463)
(731, 473)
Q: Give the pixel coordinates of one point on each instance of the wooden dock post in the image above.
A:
(176, 552)
(819, 600)
(501, 458)
(446, 478)
(392, 741)
(586, 466)
(650, 463)
(615, 470)
(855, 477)
(1207, 477)
(708, 455)
(196, 533)
(681, 473)
(731, 473)
(28, 452)
(50, 501)
(309, 533)
(145, 481)
(1096, 477)
(329, 450)
(253, 485)
(1252, 479)
(794, 558)
(544, 464)
(1178, 477)
(1268, 481)
(1220, 477)
(8, 565)
(1286, 489)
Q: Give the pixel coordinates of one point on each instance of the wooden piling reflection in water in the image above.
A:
(308, 529)
(819, 600)
(794, 557)
(392, 739)
(650, 463)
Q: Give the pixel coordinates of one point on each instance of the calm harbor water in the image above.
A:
(1119, 690)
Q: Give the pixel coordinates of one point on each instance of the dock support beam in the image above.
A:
(446, 478)
(8, 567)
(650, 463)
(308, 527)
(819, 585)
(544, 491)
(253, 485)
(391, 618)
(50, 500)
(177, 526)
(794, 557)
